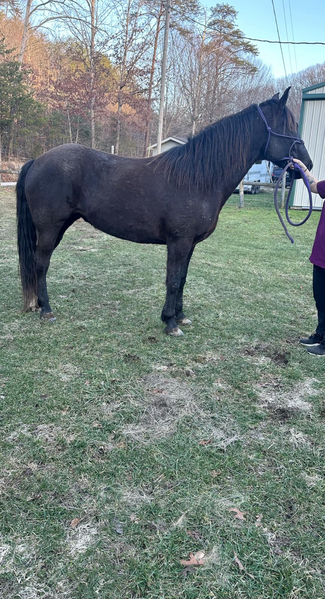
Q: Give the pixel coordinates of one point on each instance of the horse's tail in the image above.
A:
(26, 240)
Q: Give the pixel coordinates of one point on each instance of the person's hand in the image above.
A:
(301, 164)
(310, 178)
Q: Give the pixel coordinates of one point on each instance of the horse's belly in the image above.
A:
(137, 229)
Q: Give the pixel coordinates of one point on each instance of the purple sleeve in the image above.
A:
(321, 188)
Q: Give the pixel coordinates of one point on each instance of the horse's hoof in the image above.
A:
(184, 321)
(176, 332)
(48, 316)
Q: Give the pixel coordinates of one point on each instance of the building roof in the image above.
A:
(312, 87)
(179, 140)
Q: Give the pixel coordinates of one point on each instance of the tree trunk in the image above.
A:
(152, 73)
(92, 73)
(163, 78)
(25, 33)
(118, 123)
(77, 132)
(198, 95)
(69, 123)
(122, 82)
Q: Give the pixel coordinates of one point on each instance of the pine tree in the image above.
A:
(17, 105)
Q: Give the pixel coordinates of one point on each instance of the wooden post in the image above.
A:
(283, 191)
(241, 194)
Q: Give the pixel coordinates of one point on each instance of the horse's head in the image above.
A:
(283, 139)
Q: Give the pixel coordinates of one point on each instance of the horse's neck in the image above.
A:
(253, 144)
(239, 174)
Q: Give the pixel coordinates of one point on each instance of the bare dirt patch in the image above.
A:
(264, 353)
(80, 539)
(134, 497)
(165, 401)
(284, 404)
(67, 372)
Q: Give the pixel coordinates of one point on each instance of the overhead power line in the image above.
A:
(287, 36)
(254, 39)
(293, 35)
(281, 49)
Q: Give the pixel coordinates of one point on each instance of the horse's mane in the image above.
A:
(215, 147)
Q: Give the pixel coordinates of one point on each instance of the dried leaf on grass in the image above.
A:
(240, 566)
(215, 473)
(239, 515)
(180, 520)
(238, 562)
(196, 559)
(205, 441)
(74, 523)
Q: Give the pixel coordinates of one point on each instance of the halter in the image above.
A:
(297, 140)
(290, 163)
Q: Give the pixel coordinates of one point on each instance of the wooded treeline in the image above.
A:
(88, 71)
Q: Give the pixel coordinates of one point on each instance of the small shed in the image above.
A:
(312, 131)
(166, 144)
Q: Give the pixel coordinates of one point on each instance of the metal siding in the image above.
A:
(320, 90)
(313, 134)
(313, 87)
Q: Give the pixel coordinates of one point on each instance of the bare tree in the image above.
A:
(86, 23)
(191, 66)
(298, 81)
(159, 13)
(133, 39)
(211, 59)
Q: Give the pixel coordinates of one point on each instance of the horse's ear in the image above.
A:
(284, 98)
(276, 97)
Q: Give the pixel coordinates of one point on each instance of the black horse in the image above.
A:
(173, 199)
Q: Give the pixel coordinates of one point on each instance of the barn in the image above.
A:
(312, 131)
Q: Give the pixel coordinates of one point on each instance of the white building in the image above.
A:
(312, 131)
(166, 144)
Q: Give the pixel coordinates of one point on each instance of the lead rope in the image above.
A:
(279, 181)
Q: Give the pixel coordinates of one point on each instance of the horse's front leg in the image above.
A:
(180, 316)
(178, 251)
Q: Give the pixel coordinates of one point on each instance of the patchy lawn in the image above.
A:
(123, 451)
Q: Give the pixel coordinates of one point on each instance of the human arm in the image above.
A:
(310, 178)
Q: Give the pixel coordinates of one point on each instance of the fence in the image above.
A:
(272, 185)
(8, 172)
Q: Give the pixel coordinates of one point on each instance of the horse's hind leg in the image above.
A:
(180, 316)
(45, 245)
(47, 241)
(177, 263)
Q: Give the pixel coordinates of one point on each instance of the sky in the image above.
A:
(307, 23)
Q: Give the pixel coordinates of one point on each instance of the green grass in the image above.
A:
(150, 440)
